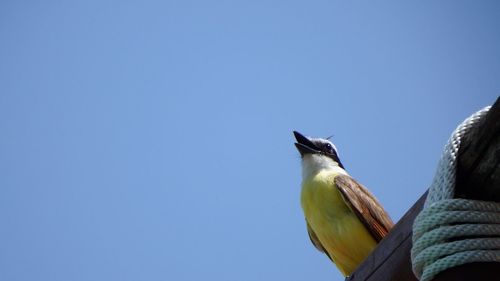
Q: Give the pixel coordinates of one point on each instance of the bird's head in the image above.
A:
(317, 150)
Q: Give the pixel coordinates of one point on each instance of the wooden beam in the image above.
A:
(391, 259)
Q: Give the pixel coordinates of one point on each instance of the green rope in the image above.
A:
(451, 232)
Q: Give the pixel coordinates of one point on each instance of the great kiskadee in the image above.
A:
(344, 220)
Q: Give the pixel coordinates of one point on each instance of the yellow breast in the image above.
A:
(339, 230)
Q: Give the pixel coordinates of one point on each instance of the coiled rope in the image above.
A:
(451, 232)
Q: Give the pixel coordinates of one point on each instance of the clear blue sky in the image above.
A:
(151, 140)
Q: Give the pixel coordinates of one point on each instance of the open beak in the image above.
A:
(305, 145)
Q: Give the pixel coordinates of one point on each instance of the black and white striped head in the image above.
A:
(316, 146)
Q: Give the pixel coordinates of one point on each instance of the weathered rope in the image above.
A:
(450, 232)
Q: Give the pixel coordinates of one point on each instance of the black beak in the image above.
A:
(305, 145)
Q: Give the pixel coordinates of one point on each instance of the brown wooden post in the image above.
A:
(478, 177)
(390, 261)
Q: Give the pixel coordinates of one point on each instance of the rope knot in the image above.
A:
(451, 232)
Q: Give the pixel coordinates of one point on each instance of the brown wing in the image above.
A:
(315, 240)
(365, 206)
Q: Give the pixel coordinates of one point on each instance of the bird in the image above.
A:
(343, 219)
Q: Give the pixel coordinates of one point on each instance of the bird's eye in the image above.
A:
(329, 147)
